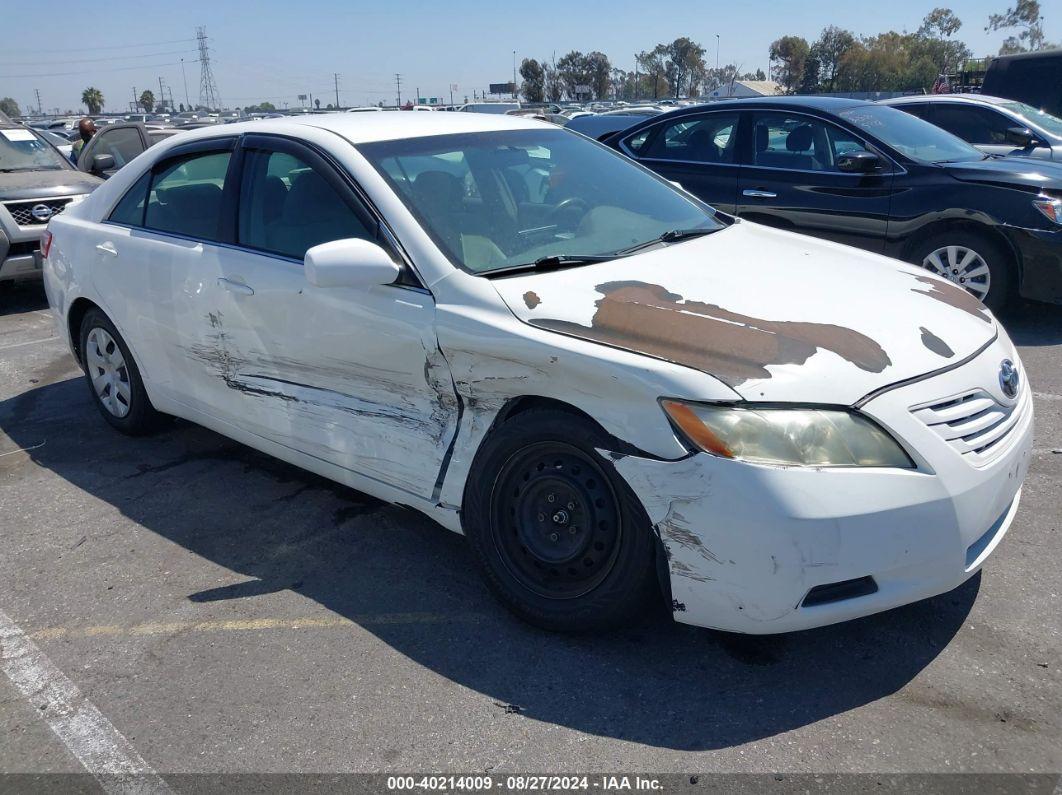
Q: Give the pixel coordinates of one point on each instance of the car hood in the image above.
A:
(1013, 172)
(775, 315)
(45, 184)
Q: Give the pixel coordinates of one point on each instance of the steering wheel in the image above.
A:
(568, 212)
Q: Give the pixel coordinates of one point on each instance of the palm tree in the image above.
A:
(92, 99)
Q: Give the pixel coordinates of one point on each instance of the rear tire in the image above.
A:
(113, 378)
(560, 537)
(971, 260)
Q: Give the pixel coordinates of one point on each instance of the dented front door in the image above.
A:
(353, 377)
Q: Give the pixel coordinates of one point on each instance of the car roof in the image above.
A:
(361, 128)
(983, 99)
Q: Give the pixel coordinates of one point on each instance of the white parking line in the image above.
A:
(98, 746)
(27, 342)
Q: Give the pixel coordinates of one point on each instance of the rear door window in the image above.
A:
(186, 196)
(710, 138)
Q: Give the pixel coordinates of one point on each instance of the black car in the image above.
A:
(870, 176)
(1034, 78)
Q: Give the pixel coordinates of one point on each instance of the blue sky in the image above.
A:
(276, 50)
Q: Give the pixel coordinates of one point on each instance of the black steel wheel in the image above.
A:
(561, 538)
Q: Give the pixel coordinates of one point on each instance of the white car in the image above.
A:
(609, 388)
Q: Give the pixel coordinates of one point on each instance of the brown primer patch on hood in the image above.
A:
(531, 299)
(935, 343)
(953, 296)
(649, 319)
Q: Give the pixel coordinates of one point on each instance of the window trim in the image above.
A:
(344, 184)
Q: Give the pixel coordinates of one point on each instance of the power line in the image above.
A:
(97, 60)
(39, 51)
(94, 71)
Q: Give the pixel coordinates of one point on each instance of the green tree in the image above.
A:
(534, 85)
(653, 64)
(147, 100)
(10, 108)
(1025, 15)
(92, 98)
(598, 71)
(571, 71)
(685, 65)
(831, 46)
(554, 86)
(791, 52)
(938, 28)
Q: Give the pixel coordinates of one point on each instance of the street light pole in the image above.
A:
(184, 77)
(716, 52)
(514, 74)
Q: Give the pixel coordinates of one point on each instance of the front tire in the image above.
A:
(113, 377)
(973, 261)
(560, 537)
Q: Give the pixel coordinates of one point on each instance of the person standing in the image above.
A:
(86, 129)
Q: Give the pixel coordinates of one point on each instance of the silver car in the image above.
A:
(994, 125)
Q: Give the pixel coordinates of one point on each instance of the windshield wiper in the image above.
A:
(552, 262)
(671, 236)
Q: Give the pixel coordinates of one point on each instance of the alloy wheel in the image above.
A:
(962, 266)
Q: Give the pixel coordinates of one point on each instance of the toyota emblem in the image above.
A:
(1009, 378)
(41, 212)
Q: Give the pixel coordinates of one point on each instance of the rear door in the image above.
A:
(698, 152)
(789, 179)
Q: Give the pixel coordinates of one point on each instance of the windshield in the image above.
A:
(910, 136)
(501, 199)
(21, 149)
(1052, 125)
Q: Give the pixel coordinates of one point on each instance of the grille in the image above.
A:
(22, 212)
(974, 423)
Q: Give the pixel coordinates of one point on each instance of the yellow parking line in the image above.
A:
(252, 624)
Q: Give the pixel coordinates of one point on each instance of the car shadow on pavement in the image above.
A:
(658, 683)
(1033, 324)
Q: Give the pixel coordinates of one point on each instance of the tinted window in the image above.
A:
(973, 124)
(123, 144)
(698, 139)
(798, 142)
(915, 110)
(186, 196)
(917, 139)
(130, 210)
(286, 207)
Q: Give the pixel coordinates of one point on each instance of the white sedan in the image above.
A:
(612, 390)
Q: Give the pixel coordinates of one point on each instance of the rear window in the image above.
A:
(186, 196)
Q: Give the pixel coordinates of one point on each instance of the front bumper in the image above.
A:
(20, 258)
(1040, 252)
(747, 544)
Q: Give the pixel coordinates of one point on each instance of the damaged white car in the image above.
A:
(611, 389)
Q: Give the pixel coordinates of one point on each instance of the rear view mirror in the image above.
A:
(101, 163)
(859, 161)
(1021, 137)
(352, 262)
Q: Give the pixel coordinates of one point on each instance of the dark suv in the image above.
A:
(870, 176)
(36, 182)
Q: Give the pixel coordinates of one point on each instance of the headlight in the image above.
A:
(1052, 208)
(791, 437)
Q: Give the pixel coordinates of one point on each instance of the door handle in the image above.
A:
(759, 194)
(235, 287)
(107, 248)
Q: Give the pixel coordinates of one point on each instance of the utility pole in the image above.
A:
(136, 101)
(418, 95)
(398, 89)
(37, 91)
(335, 76)
(184, 77)
(716, 52)
(514, 74)
(162, 93)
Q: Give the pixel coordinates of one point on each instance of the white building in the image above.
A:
(747, 88)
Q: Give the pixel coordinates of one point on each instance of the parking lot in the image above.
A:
(226, 612)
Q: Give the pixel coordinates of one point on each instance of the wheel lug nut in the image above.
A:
(542, 517)
(551, 498)
(571, 506)
(553, 536)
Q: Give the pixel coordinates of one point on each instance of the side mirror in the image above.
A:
(101, 163)
(859, 161)
(352, 262)
(1021, 137)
